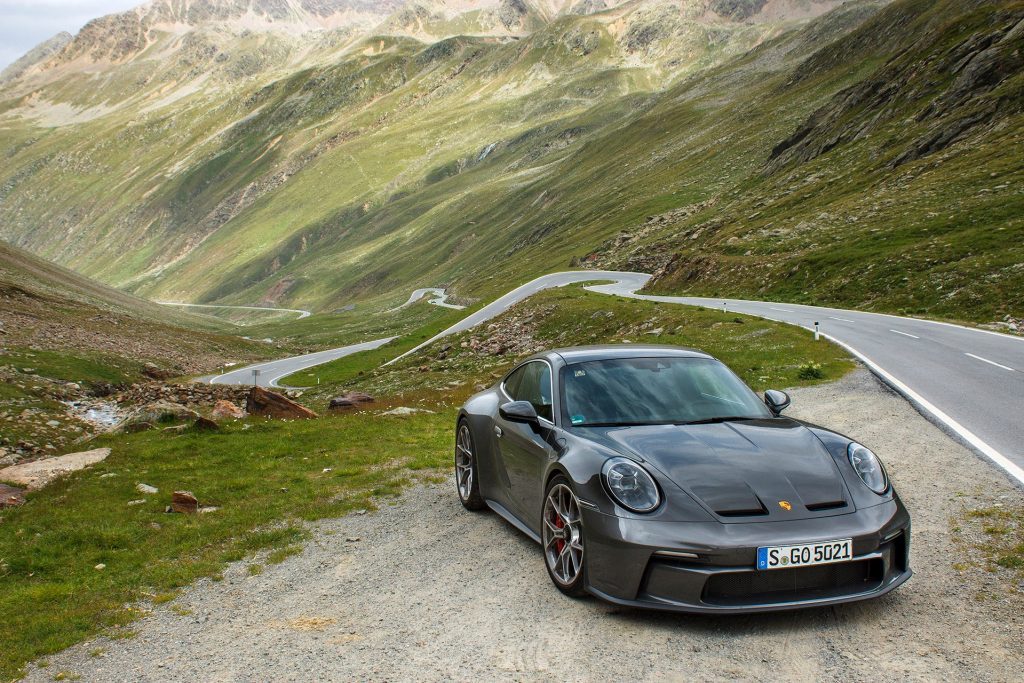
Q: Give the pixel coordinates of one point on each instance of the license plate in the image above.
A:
(784, 556)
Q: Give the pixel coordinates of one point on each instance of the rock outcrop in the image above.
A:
(269, 404)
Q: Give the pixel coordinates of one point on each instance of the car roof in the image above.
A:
(583, 354)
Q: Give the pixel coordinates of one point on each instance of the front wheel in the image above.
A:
(562, 537)
(466, 481)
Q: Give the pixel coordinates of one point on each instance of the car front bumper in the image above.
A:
(711, 567)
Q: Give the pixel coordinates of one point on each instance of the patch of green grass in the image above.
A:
(266, 477)
(82, 367)
(999, 536)
(279, 555)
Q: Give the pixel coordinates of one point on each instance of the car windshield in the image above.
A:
(637, 391)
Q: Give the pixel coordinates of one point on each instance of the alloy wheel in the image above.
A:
(563, 535)
(464, 462)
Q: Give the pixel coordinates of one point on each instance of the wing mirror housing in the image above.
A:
(776, 400)
(520, 411)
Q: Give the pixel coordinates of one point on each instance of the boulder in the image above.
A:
(11, 496)
(350, 400)
(270, 404)
(184, 501)
(205, 424)
(158, 411)
(405, 410)
(156, 372)
(37, 474)
(226, 410)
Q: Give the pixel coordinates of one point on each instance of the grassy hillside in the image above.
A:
(49, 308)
(350, 178)
(870, 157)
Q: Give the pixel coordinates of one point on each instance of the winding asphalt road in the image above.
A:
(970, 381)
(440, 299)
(268, 373)
(302, 313)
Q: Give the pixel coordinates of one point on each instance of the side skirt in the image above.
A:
(512, 519)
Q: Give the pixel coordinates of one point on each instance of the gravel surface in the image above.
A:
(431, 592)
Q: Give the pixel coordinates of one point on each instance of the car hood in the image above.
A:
(742, 471)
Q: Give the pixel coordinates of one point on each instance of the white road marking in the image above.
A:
(845, 320)
(784, 310)
(915, 398)
(906, 334)
(990, 362)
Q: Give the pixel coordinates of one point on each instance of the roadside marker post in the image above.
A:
(816, 332)
(725, 306)
(255, 374)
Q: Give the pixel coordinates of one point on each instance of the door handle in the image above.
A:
(497, 431)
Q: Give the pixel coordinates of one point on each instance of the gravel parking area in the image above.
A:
(432, 592)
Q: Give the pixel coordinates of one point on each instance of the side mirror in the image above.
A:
(777, 401)
(519, 411)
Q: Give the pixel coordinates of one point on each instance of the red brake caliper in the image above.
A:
(559, 543)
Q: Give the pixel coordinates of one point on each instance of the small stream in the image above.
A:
(101, 414)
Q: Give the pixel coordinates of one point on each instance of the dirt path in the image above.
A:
(432, 592)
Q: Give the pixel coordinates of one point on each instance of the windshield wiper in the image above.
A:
(715, 420)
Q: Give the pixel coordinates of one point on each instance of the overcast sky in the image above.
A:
(26, 23)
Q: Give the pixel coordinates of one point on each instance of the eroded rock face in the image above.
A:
(270, 404)
(36, 475)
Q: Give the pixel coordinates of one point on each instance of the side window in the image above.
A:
(513, 381)
(533, 385)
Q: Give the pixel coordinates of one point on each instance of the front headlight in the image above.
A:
(868, 467)
(630, 485)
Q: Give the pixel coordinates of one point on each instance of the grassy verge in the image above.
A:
(995, 534)
(266, 478)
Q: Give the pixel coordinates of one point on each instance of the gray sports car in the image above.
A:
(652, 476)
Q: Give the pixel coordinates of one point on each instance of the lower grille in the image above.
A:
(788, 585)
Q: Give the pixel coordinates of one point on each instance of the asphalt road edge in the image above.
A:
(934, 414)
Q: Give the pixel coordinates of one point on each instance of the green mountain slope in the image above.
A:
(870, 156)
(82, 325)
(903, 191)
(147, 156)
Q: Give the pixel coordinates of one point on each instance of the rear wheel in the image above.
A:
(562, 538)
(466, 481)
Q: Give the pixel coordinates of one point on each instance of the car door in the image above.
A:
(523, 451)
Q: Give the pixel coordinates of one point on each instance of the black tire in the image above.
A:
(568, 573)
(467, 483)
